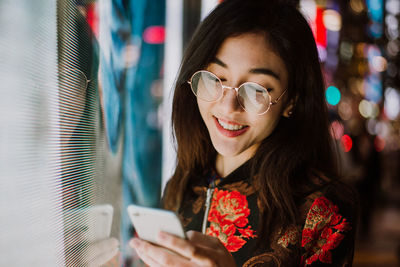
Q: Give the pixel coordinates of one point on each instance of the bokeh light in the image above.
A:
(345, 111)
(332, 20)
(346, 50)
(371, 126)
(382, 129)
(373, 88)
(371, 52)
(357, 86)
(393, 6)
(332, 95)
(393, 48)
(357, 6)
(347, 143)
(368, 109)
(379, 63)
(375, 12)
(375, 29)
(337, 129)
(375, 9)
(154, 35)
(392, 26)
(379, 143)
(392, 103)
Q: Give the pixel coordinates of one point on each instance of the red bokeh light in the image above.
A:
(337, 130)
(320, 30)
(154, 35)
(379, 143)
(347, 143)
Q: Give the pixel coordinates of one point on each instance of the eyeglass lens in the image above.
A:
(252, 97)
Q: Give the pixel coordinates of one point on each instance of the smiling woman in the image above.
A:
(234, 133)
(248, 99)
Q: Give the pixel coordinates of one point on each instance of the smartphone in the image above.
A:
(148, 222)
(89, 224)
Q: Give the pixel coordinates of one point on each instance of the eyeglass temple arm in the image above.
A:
(279, 97)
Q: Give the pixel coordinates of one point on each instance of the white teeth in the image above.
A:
(231, 127)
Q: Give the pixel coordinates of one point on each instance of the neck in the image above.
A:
(225, 165)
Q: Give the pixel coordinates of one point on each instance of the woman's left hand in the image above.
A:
(197, 250)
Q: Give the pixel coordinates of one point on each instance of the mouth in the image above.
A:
(230, 129)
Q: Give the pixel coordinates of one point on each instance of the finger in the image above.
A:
(191, 252)
(176, 244)
(216, 252)
(143, 250)
(157, 256)
(204, 240)
(147, 259)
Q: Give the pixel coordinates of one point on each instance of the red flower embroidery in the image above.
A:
(228, 219)
(323, 231)
(291, 236)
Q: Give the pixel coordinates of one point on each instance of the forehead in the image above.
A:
(249, 46)
(249, 51)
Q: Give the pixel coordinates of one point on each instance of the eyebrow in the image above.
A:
(265, 71)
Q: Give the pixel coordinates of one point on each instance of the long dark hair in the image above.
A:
(299, 147)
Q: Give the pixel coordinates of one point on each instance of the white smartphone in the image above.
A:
(148, 222)
(90, 223)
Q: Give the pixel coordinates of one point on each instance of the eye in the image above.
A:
(215, 79)
(269, 89)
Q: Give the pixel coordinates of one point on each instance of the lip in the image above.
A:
(229, 133)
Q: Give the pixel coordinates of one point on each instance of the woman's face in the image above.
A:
(245, 58)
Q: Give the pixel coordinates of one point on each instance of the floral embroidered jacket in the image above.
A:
(324, 234)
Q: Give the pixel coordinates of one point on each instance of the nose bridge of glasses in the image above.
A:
(230, 87)
(231, 102)
(224, 92)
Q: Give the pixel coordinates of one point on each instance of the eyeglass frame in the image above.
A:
(271, 103)
(67, 69)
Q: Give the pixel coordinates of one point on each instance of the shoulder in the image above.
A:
(329, 218)
(334, 192)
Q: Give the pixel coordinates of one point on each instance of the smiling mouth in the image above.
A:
(230, 129)
(230, 126)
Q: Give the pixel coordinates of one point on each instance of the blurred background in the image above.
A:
(85, 112)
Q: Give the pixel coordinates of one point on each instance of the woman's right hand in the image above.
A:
(197, 250)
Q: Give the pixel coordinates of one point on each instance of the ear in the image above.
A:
(288, 110)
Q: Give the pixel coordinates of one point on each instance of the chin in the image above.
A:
(227, 150)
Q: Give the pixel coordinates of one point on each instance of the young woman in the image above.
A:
(256, 180)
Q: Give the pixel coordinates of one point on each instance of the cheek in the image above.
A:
(266, 126)
(203, 108)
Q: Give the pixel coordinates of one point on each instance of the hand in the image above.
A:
(198, 250)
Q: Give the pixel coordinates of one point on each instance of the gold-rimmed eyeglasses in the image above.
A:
(252, 97)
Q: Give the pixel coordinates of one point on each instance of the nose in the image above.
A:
(229, 102)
